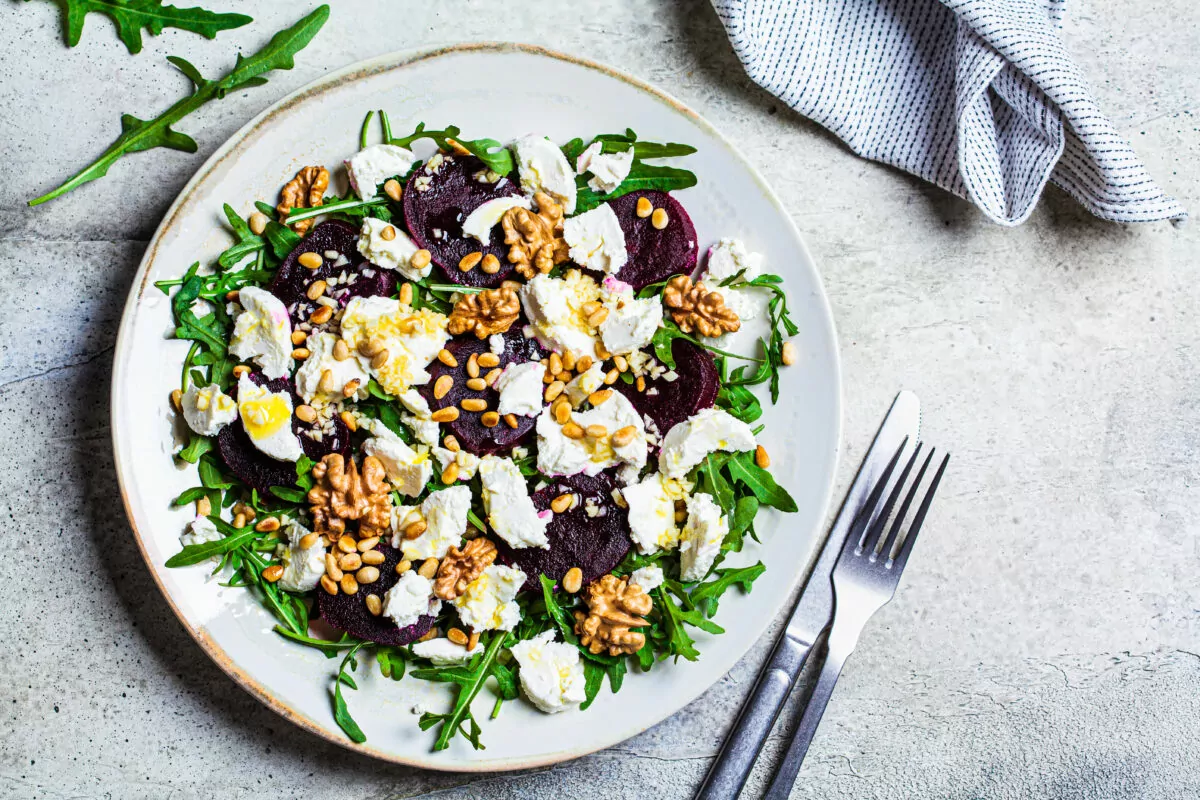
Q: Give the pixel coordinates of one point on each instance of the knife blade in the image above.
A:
(812, 614)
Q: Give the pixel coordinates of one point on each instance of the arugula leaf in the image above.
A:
(131, 16)
(641, 177)
(742, 520)
(197, 446)
(330, 649)
(341, 713)
(469, 679)
(247, 241)
(391, 662)
(492, 153)
(743, 470)
(664, 339)
(782, 327)
(289, 494)
(138, 134)
(593, 679)
(282, 239)
(706, 596)
(196, 553)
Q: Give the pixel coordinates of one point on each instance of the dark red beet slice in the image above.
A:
(469, 431)
(694, 389)
(254, 467)
(451, 195)
(655, 255)
(594, 544)
(348, 612)
(292, 280)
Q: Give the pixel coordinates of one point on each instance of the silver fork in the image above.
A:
(864, 580)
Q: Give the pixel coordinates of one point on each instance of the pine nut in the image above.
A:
(329, 585)
(380, 359)
(308, 540)
(341, 351)
(612, 376)
(310, 260)
(273, 573)
(457, 636)
(490, 419)
(476, 384)
(641, 383)
(591, 307)
(473, 366)
(447, 414)
(488, 360)
(267, 525)
(681, 516)
(370, 347)
(644, 207)
(347, 544)
(233, 295)
(596, 319)
(299, 338)
(415, 529)
(239, 520)
(388, 233)
(620, 363)
(447, 358)
(331, 567)
(321, 315)
(442, 386)
(420, 259)
(367, 575)
(349, 420)
(601, 353)
(203, 507)
(583, 364)
(432, 633)
(473, 641)
(241, 369)
(403, 566)
(547, 378)
(450, 473)
(349, 562)
(451, 444)
(572, 582)
(572, 431)
(597, 431)
(568, 360)
(393, 189)
(555, 363)
(373, 557)
(470, 261)
(374, 606)
(659, 218)
(325, 384)
(316, 289)
(177, 399)
(554, 390)
(788, 355)
(493, 376)
(369, 543)
(511, 421)
(761, 457)
(598, 398)
(624, 436)
(490, 264)
(351, 387)
(473, 404)
(406, 293)
(349, 584)
(562, 411)
(258, 223)
(428, 568)
(562, 503)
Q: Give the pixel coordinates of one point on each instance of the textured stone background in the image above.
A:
(1046, 638)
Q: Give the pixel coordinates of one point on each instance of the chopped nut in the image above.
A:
(306, 190)
(695, 308)
(460, 567)
(534, 240)
(343, 493)
(615, 607)
(485, 313)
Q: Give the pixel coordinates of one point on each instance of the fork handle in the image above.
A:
(734, 763)
(841, 644)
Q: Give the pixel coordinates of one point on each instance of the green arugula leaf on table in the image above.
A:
(138, 135)
(132, 16)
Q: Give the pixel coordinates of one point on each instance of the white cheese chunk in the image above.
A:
(489, 602)
(631, 323)
(558, 454)
(411, 338)
(199, 531)
(554, 307)
(375, 164)
(496, 344)
(468, 463)
(652, 512)
(302, 566)
(424, 429)
(542, 166)
(700, 543)
(479, 223)
(520, 387)
(445, 515)
(443, 652)
(551, 673)
(596, 240)
(207, 409)
(727, 258)
(388, 246)
(407, 470)
(707, 431)
(410, 599)
(263, 332)
(511, 513)
(267, 418)
(649, 578)
(608, 169)
(320, 361)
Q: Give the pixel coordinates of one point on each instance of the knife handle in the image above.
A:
(733, 765)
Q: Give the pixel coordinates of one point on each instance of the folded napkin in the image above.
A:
(977, 96)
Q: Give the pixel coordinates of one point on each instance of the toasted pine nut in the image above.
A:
(620, 363)
(624, 436)
(659, 218)
(473, 404)
(388, 233)
(547, 378)
(451, 444)
(420, 259)
(240, 370)
(341, 351)
(351, 387)
(601, 353)
(568, 360)
(644, 207)
(597, 431)
(591, 307)
(599, 397)
(490, 264)
(488, 360)
(473, 366)
(473, 640)
(555, 364)
(572, 582)
(379, 359)
(457, 636)
(367, 575)
(511, 421)
(321, 315)
(403, 566)
(203, 507)
(299, 337)
(267, 524)
(447, 414)
(177, 399)
(325, 384)
(641, 383)
(258, 223)
(493, 376)
(415, 529)
(562, 411)
(406, 293)
(788, 355)
(761, 457)
(349, 562)
(374, 606)
(331, 567)
(583, 364)
(239, 520)
(273, 573)
(347, 544)
(393, 189)
(489, 419)
(554, 390)
(428, 568)
(308, 540)
(612, 376)
(373, 557)
(476, 384)
(470, 261)
(572, 431)
(595, 319)
(370, 347)
(442, 386)
(562, 503)
(432, 633)
(447, 358)
(450, 473)
(349, 584)
(368, 544)
(310, 260)
(316, 289)
(329, 584)
(348, 419)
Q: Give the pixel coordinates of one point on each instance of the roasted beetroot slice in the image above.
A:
(348, 612)
(258, 470)
(435, 217)
(655, 255)
(594, 544)
(469, 431)
(670, 402)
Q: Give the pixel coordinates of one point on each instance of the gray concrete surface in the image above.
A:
(1046, 639)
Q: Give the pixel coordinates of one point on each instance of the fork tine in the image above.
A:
(893, 534)
(872, 538)
(911, 538)
(864, 514)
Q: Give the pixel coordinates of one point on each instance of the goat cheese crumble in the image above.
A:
(375, 164)
(608, 169)
(700, 543)
(596, 240)
(511, 513)
(489, 602)
(559, 454)
(410, 599)
(411, 338)
(551, 673)
(542, 166)
(445, 516)
(554, 307)
(320, 361)
(206, 409)
(262, 332)
(302, 566)
(707, 431)
(520, 387)
(388, 246)
(267, 419)
(479, 223)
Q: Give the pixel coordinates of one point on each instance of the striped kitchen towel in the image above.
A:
(977, 96)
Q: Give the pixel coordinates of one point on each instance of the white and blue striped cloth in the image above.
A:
(977, 96)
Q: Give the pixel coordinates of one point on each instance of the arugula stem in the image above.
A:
(362, 133)
(387, 125)
(187, 365)
(329, 208)
(463, 705)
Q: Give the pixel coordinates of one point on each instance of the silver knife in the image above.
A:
(811, 617)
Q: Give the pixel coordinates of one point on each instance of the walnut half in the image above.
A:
(460, 567)
(342, 493)
(484, 313)
(306, 190)
(534, 240)
(614, 607)
(694, 307)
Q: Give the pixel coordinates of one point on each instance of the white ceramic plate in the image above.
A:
(487, 90)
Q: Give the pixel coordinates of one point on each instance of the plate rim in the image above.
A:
(388, 62)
